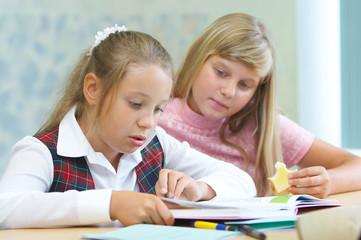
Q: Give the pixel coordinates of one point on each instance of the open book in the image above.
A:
(247, 208)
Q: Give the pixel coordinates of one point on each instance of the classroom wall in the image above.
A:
(40, 41)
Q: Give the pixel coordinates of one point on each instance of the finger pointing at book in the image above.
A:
(175, 184)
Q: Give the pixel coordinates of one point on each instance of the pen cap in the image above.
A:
(331, 224)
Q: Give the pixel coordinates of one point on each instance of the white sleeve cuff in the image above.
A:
(93, 206)
(226, 190)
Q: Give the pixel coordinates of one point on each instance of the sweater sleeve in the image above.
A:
(295, 140)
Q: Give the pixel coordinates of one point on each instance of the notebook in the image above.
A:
(159, 232)
(247, 208)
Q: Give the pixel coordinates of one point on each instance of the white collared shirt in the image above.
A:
(25, 201)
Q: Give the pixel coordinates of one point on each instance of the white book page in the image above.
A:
(260, 202)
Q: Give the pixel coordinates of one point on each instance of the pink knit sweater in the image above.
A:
(203, 134)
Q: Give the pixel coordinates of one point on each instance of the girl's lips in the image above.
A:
(219, 104)
(137, 140)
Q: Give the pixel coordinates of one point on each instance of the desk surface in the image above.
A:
(346, 199)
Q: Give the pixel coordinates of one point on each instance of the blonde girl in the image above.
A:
(100, 156)
(225, 106)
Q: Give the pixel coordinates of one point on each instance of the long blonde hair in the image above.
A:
(109, 61)
(243, 38)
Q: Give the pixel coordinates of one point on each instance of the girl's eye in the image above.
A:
(158, 109)
(135, 104)
(220, 73)
(243, 84)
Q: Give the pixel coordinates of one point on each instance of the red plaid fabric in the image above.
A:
(148, 169)
(69, 173)
(74, 173)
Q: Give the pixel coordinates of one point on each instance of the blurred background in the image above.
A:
(317, 55)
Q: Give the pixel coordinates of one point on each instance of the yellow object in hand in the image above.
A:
(279, 182)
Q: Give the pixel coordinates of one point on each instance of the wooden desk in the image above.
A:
(346, 199)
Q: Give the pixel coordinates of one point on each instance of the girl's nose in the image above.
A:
(228, 89)
(146, 121)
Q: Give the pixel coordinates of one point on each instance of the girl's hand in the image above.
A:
(134, 207)
(174, 184)
(311, 180)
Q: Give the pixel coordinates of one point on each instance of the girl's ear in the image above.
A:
(91, 88)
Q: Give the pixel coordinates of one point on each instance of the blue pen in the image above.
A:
(242, 228)
(210, 225)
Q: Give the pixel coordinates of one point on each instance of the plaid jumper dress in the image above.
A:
(74, 173)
